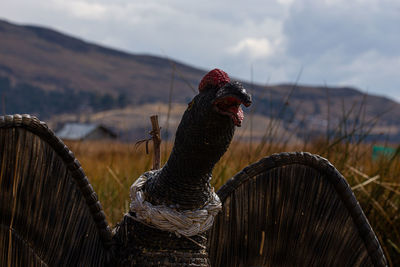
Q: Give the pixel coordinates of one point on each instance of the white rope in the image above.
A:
(186, 223)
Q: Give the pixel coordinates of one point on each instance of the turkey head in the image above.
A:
(202, 137)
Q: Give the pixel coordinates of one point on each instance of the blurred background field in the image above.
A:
(113, 166)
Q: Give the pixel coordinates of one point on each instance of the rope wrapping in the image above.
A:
(186, 222)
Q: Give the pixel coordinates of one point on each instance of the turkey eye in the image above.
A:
(190, 105)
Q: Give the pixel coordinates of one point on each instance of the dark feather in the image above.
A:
(49, 213)
(292, 209)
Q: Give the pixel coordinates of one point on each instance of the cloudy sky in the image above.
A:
(333, 42)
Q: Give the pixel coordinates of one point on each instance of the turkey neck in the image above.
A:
(184, 181)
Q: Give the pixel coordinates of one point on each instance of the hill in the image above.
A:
(49, 65)
(55, 76)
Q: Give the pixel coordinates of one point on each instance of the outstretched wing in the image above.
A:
(49, 213)
(292, 209)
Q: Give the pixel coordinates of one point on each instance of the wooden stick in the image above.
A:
(156, 136)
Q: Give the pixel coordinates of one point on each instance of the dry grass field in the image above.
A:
(113, 167)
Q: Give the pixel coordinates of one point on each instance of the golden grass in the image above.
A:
(113, 167)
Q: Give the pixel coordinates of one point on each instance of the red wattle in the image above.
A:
(237, 114)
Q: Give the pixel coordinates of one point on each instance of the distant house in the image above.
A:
(85, 131)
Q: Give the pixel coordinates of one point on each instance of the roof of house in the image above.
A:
(77, 131)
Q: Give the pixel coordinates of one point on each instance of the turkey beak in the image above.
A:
(228, 100)
(246, 101)
(234, 89)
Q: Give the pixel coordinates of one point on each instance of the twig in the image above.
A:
(365, 183)
(115, 177)
(156, 136)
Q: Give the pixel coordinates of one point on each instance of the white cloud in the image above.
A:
(254, 47)
(81, 9)
(374, 71)
(285, 2)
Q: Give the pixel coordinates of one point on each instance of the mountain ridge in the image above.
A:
(63, 74)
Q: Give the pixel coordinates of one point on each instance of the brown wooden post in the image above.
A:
(156, 136)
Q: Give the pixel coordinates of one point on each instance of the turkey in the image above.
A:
(288, 209)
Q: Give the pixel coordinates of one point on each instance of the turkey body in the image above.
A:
(288, 209)
(183, 183)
